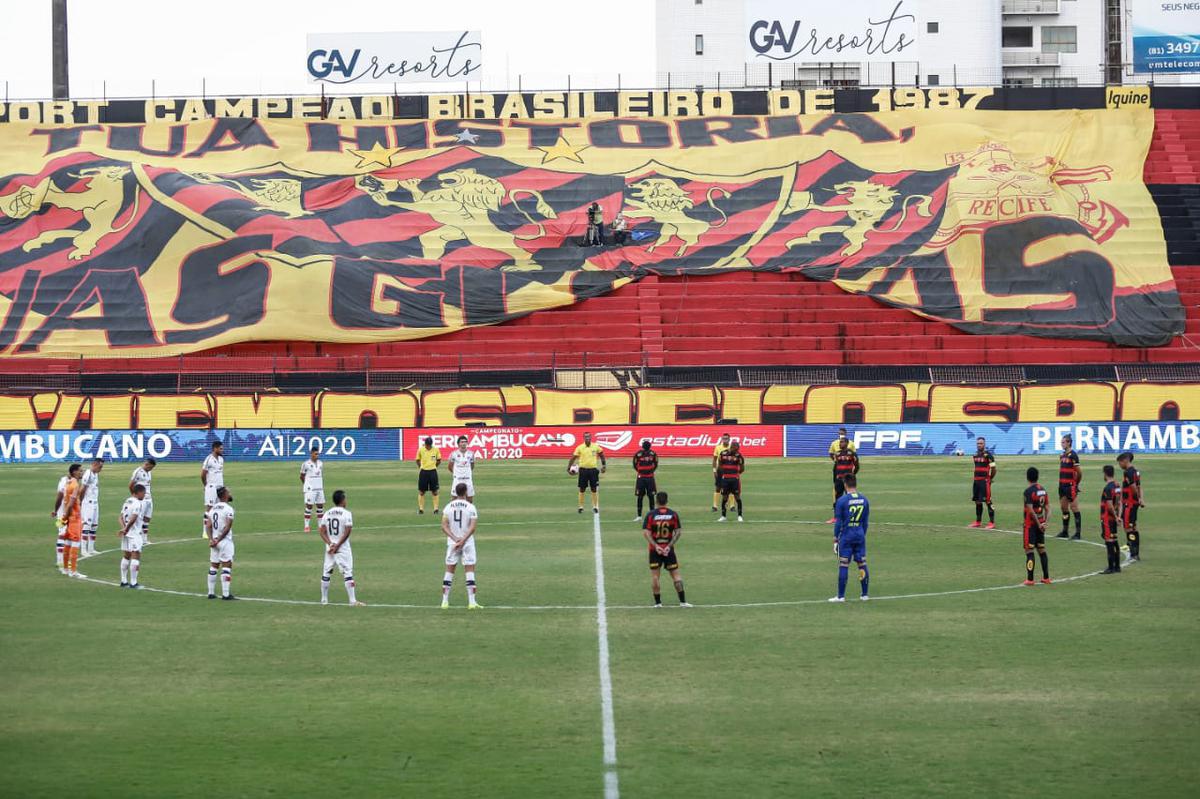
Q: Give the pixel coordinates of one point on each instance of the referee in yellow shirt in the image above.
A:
(718, 450)
(592, 463)
(428, 459)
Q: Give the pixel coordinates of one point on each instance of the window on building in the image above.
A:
(931, 27)
(1060, 39)
(1061, 83)
(1017, 37)
(933, 80)
(699, 44)
(1017, 83)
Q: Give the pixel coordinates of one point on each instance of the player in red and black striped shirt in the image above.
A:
(1037, 506)
(645, 464)
(845, 462)
(981, 484)
(730, 466)
(1070, 475)
(1110, 502)
(661, 530)
(1131, 499)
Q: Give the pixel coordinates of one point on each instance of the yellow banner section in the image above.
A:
(524, 405)
(153, 239)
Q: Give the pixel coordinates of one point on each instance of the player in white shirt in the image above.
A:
(461, 464)
(212, 477)
(218, 526)
(458, 524)
(90, 507)
(131, 536)
(314, 487)
(61, 541)
(335, 531)
(141, 476)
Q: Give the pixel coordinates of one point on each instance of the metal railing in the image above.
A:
(1030, 58)
(1029, 7)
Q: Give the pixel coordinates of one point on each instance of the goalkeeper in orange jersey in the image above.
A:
(71, 519)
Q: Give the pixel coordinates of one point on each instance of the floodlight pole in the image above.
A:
(58, 35)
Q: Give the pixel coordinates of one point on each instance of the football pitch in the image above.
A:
(954, 680)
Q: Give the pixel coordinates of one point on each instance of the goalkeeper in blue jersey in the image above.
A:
(851, 513)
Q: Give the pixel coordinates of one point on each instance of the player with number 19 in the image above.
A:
(335, 529)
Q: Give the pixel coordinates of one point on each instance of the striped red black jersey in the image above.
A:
(1036, 503)
(731, 465)
(1068, 469)
(645, 462)
(844, 462)
(662, 524)
(1110, 502)
(1131, 478)
(983, 466)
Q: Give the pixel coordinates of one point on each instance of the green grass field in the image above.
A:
(1084, 688)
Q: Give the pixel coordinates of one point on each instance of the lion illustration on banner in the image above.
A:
(663, 201)
(100, 202)
(865, 205)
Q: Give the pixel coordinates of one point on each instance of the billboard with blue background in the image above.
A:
(1020, 438)
(1166, 36)
(56, 446)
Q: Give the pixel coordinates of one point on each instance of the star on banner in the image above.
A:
(378, 154)
(466, 137)
(563, 149)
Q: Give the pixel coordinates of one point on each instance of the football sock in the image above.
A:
(447, 582)
(991, 513)
(226, 581)
(581, 499)
(72, 557)
(843, 576)
(59, 545)
(739, 504)
(471, 588)
(1078, 523)
(978, 512)
(436, 502)
(1066, 517)
(639, 501)
(324, 587)
(1029, 566)
(349, 580)
(212, 580)
(1114, 554)
(864, 577)
(658, 599)
(420, 502)
(320, 514)
(679, 590)
(146, 529)
(307, 516)
(135, 566)
(1135, 543)
(716, 498)
(124, 571)
(724, 504)
(595, 499)
(1045, 565)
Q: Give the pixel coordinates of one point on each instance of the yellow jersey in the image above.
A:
(719, 450)
(588, 455)
(428, 458)
(850, 445)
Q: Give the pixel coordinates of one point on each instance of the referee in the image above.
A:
(428, 458)
(592, 463)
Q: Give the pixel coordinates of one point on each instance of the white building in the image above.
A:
(960, 42)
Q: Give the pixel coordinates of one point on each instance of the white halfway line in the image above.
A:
(611, 789)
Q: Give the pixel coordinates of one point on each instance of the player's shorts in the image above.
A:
(90, 513)
(731, 485)
(589, 478)
(981, 491)
(645, 485)
(668, 561)
(314, 496)
(148, 508)
(222, 552)
(74, 529)
(210, 495)
(1069, 491)
(343, 560)
(467, 481)
(1108, 529)
(1129, 514)
(466, 555)
(1034, 536)
(853, 547)
(427, 480)
(132, 542)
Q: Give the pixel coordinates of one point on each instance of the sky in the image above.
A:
(133, 48)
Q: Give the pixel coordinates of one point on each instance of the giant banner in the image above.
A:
(123, 240)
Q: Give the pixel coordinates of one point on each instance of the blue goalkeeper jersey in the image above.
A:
(851, 513)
